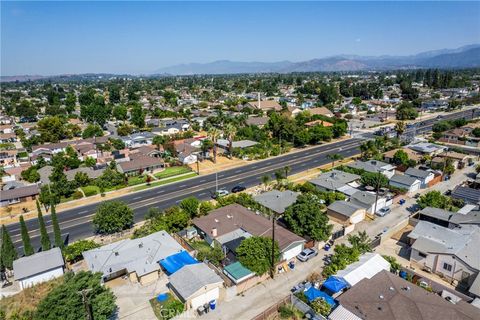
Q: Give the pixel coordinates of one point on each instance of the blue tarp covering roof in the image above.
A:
(313, 293)
(176, 261)
(335, 284)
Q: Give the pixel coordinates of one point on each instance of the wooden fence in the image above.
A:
(272, 309)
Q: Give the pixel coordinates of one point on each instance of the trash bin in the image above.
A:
(206, 307)
(403, 274)
(200, 311)
(213, 303)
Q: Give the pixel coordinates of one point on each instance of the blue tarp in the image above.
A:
(335, 284)
(176, 261)
(313, 293)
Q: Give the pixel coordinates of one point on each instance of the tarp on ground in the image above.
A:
(176, 261)
(335, 284)
(313, 293)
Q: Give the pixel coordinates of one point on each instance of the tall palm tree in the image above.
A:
(400, 128)
(265, 181)
(334, 157)
(230, 132)
(213, 134)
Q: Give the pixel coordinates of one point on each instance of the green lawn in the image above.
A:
(132, 181)
(200, 245)
(90, 190)
(166, 309)
(165, 181)
(172, 171)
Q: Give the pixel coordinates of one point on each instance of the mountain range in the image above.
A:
(463, 57)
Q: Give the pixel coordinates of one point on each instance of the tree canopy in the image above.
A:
(255, 253)
(112, 216)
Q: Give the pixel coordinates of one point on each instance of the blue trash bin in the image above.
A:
(213, 304)
(403, 274)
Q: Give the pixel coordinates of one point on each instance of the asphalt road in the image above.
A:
(76, 223)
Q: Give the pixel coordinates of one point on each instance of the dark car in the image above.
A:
(238, 188)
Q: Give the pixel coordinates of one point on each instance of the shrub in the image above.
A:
(90, 190)
(73, 252)
(77, 195)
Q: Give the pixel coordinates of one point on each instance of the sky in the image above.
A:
(49, 38)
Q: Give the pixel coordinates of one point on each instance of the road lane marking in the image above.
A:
(137, 198)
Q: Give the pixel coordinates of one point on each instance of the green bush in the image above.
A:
(90, 190)
(77, 195)
(73, 252)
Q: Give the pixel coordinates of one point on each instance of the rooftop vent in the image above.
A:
(216, 220)
(116, 253)
(381, 297)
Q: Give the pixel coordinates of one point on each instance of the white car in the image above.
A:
(220, 193)
(383, 212)
(307, 254)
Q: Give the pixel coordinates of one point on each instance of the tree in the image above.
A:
(56, 227)
(66, 302)
(361, 241)
(73, 252)
(255, 254)
(320, 306)
(334, 157)
(230, 132)
(44, 238)
(205, 207)
(266, 180)
(374, 179)
(305, 218)
(7, 252)
(120, 112)
(406, 111)
(287, 170)
(92, 130)
(137, 115)
(434, 199)
(52, 129)
(159, 141)
(112, 216)
(81, 179)
(31, 174)
(26, 109)
(401, 158)
(190, 206)
(400, 128)
(213, 134)
(124, 130)
(70, 102)
(27, 246)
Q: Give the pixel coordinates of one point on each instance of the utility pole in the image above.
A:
(272, 269)
(86, 303)
(376, 193)
(216, 181)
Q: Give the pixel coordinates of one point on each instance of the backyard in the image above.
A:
(168, 308)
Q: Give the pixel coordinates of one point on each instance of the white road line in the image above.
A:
(238, 171)
(183, 186)
(202, 194)
(137, 198)
(202, 181)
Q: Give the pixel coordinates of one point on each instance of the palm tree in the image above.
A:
(400, 128)
(230, 132)
(334, 157)
(361, 241)
(287, 170)
(213, 134)
(265, 180)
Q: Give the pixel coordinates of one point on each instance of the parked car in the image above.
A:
(307, 254)
(448, 192)
(220, 193)
(417, 196)
(238, 188)
(383, 212)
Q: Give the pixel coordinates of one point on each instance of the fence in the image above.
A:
(272, 309)
(185, 244)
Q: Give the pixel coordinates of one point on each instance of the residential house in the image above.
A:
(412, 155)
(450, 219)
(322, 111)
(257, 121)
(467, 194)
(188, 150)
(138, 139)
(8, 137)
(8, 157)
(409, 183)
(18, 195)
(241, 144)
(39, 267)
(139, 164)
(387, 296)
(374, 166)
(450, 253)
(368, 265)
(46, 171)
(171, 127)
(235, 221)
(265, 105)
(196, 285)
(346, 213)
(137, 258)
(427, 148)
(336, 180)
(318, 123)
(277, 201)
(367, 199)
(425, 177)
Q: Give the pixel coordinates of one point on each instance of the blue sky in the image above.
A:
(139, 37)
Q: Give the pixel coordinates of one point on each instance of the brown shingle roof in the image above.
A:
(266, 105)
(22, 192)
(320, 111)
(387, 296)
(235, 216)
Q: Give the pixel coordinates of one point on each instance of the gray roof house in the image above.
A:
(196, 284)
(452, 253)
(366, 200)
(334, 180)
(346, 212)
(374, 166)
(139, 258)
(411, 184)
(277, 201)
(241, 144)
(39, 267)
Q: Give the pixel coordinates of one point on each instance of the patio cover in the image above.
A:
(176, 261)
(335, 284)
(313, 293)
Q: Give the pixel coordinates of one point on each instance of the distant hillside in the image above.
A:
(464, 57)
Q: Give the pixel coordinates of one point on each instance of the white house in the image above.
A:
(196, 285)
(39, 267)
(366, 200)
(411, 184)
(424, 176)
(374, 166)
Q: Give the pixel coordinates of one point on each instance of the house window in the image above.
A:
(447, 266)
(421, 254)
